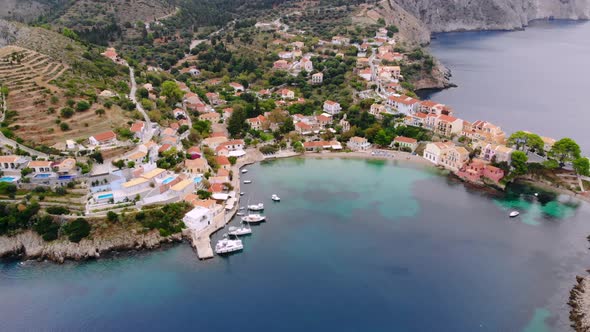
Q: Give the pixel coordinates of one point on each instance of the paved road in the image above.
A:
(132, 95)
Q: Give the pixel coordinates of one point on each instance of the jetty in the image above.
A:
(201, 239)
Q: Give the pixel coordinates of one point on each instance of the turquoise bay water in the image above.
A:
(353, 246)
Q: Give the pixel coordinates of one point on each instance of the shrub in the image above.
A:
(46, 228)
(66, 112)
(57, 210)
(82, 106)
(77, 230)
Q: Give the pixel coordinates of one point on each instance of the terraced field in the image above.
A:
(29, 75)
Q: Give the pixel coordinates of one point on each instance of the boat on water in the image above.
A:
(242, 208)
(239, 231)
(228, 245)
(240, 214)
(247, 181)
(253, 218)
(256, 207)
(242, 193)
(244, 171)
(514, 214)
(275, 198)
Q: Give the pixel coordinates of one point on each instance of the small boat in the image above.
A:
(256, 207)
(247, 181)
(228, 245)
(239, 231)
(240, 214)
(242, 208)
(242, 193)
(536, 194)
(514, 214)
(244, 171)
(275, 198)
(253, 218)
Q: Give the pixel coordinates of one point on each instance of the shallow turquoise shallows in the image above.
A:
(353, 245)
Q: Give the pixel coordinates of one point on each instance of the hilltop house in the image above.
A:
(102, 139)
(9, 163)
(317, 78)
(257, 122)
(332, 107)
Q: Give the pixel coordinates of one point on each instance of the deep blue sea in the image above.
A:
(535, 79)
(354, 245)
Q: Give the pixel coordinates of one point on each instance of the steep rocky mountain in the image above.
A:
(453, 15)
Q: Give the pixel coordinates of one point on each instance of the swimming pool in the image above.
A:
(65, 177)
(42, 176)
(198, 179)
(168, 180)
(7, 179)
(105, 196)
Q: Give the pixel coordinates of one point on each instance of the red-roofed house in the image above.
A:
(213, 98)
(323, 120)
(108, 137)
(257, 123)
(237, 86)
(137, 129)
(447, 125)
(403, 104)
(303, 128)
(405, 142)
(282, 65)
(286, 94)
(223, 162)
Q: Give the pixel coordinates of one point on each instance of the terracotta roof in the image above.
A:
(40, 163)
(164, 147)
(106, 136)
(193, 149)
(222, 161)
(9, 159)
(137, 126)
(195, 163)
(447, 118)
(405, 139)
(216, 188)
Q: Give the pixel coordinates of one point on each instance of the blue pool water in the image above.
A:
(42, 176)
(198, 179)
(105, 196)
(7, 179)
(168, 180)
(65, 177)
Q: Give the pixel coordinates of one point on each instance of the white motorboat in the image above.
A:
(275, 198)
(240, 214)
(514, 214)
(242, 193)
(242, 208)
(239, 231)
(244, 171)
(247, 181)
(253, 218)
(536, 194)
(228, 245)
(256, 207)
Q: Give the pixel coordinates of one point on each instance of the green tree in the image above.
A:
(522, 139)
(237, 122)
(46, 228)
(64, 126)
(77, 230)
(172, 92)
(82, 106)
(112, 216)
(66, 112)
(232, 160)
(382, 138)
(564, 150)
(100, 112)
(287, 126)
(119, 163)
(519, 162)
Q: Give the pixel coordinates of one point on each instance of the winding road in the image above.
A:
(132, 96)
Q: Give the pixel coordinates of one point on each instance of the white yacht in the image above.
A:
(253, 218)
(514, 214)
(240, 214)
(242, 193)
(228, 245)
(239, 231)
(244, 171)
(256, 207)
(275, 198)
(247, 181)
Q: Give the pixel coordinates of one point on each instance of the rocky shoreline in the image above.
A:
(579, 301)
(29, 245)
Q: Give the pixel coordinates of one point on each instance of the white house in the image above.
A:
(358, 144)
(306, 65)
(434, 151)
(403, 104)
(8, 163)
(198, 218)
(108, 137)
(317, 78)
(332, 107)
(405, 142)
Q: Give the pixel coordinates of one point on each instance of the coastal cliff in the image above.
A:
(458, 15)
(29, 245)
